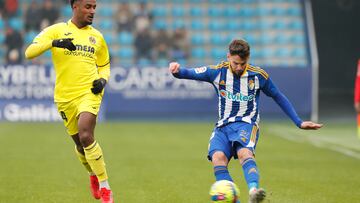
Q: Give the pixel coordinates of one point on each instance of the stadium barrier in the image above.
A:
(26, 94)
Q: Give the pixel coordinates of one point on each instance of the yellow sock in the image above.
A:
(83, 160)
(94, 157)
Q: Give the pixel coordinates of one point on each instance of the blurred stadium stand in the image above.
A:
(275, 29)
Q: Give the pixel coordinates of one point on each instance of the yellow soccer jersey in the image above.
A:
(75, 70)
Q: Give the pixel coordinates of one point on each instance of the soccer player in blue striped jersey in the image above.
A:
(238, 86)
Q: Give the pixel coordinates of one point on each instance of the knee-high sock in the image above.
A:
(251, 173)
(82, 159)
(95, 158)
(222, 173)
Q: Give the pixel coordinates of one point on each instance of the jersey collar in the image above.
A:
(71, 24)
(243, 73)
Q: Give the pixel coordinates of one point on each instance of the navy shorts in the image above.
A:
(232, 137)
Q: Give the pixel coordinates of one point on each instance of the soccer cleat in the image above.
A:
(94, 186)
(256, 195)
(106, 196)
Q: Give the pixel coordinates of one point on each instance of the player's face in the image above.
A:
(85, 11)
(237, 64)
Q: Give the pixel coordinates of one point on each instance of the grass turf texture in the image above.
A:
(166, 162)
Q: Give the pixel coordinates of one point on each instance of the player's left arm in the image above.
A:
(203, 73)
(103, 64)
(47, 39)
(271, 90)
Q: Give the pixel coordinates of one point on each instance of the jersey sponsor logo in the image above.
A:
(235, 97)
(82, 50)
(68, 33)
(251, 85)
(200, 70)
(92, 40)
(85, 48)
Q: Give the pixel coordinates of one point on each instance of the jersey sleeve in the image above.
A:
(103, 61)
(204, 73)
(272, 91)
(42, 42)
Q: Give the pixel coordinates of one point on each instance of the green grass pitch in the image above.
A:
(166, 162)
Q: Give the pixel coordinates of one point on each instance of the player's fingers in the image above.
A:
(315, 126)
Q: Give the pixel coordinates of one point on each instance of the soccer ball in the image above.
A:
(224, 191)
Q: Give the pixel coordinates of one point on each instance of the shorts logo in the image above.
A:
(92, 40)
(200, 70)
(251, 85)
(243, 133)
(244, 139)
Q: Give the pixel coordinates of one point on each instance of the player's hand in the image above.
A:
(174, 67)
(309, 125)
(64, 43)
(98, 85)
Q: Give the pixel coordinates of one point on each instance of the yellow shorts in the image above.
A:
(70, 111)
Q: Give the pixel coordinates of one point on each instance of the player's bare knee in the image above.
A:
(244, 154)
(86, 138)
(219, 158)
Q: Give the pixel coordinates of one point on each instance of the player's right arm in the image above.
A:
(47, 39)
(202, 73)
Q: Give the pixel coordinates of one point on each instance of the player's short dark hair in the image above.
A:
(239, 47)
(72, 3)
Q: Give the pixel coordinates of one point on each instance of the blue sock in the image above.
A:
(222, 173)
(251, 173)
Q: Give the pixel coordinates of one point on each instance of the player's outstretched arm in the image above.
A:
(174, 67)
(37, 48)
(309, 125)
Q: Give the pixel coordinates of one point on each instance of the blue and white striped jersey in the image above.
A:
(239, 95)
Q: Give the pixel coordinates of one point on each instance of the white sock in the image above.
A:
(104, 184)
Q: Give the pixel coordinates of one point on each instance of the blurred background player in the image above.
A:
(81, 60)
(357, 97)
(238, 85)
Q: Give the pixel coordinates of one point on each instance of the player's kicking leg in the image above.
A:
(93, 154)
(94, 183)
(256, 195)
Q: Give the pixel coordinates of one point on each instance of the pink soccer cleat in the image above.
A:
(106, 196)
(94, 187)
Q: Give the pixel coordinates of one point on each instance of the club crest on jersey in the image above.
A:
(92, 40)
(200, 70)
(251, 85)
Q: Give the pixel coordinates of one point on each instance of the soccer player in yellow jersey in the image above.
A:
(82, 65)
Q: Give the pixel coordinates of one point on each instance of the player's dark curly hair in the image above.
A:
(72, 2)
(239, 47)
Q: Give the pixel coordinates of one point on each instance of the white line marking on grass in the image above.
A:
(323, 142)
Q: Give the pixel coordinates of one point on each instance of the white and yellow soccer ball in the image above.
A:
(224, 191)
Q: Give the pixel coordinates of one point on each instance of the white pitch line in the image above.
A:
(320, 143)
